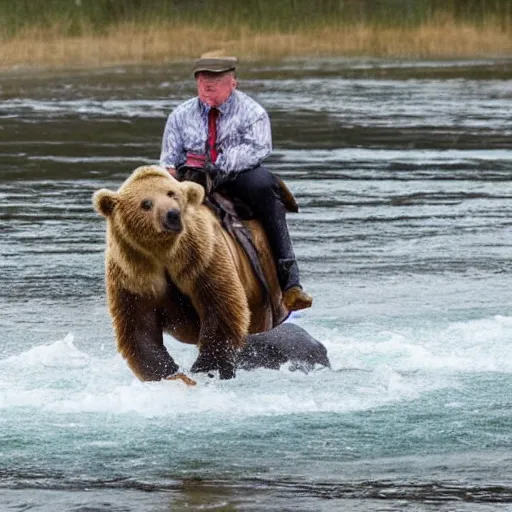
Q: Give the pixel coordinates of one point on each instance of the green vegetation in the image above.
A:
(90, 33)
(78, 17)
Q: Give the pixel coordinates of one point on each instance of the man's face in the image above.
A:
(214, 88)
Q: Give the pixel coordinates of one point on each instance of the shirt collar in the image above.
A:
(205, 109)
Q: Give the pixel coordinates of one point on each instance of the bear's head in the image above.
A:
(149, 206)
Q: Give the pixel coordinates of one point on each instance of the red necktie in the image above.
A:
(212, 133)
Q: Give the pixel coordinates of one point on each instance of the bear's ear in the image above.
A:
(194, 193)
(105, 201)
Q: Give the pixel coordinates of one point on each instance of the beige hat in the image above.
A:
(215, 64)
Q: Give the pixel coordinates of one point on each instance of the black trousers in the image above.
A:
(259, 188)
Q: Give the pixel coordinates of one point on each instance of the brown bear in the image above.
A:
(170, 266)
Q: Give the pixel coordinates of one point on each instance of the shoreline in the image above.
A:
(128, 44)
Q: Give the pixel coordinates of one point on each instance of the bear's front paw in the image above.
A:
(227, 371)
(215, 359)
(181, 376)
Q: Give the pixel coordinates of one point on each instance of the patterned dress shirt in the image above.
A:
(244, 137)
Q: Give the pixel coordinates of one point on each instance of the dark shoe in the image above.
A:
(296, 298)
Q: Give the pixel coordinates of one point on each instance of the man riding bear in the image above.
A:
(226, 133)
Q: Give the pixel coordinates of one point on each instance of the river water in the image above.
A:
(403, 173)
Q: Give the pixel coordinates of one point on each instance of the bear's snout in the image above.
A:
(172, 221)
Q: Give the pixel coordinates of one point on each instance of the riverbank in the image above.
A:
(156, 43)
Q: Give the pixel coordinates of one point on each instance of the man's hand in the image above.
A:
(172, 171)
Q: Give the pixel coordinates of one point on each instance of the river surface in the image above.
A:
(403, 172)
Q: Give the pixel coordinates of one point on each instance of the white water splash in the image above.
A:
(367, 373)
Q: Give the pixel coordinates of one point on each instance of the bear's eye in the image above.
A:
(171, 193)
(147, 204)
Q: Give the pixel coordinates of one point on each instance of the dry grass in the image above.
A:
(157, 44)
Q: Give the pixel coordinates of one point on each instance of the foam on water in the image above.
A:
(122, 108)
(369, 370)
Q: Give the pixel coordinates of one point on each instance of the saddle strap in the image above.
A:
(225, 211)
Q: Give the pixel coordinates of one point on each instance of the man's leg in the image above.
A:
(259, 188)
